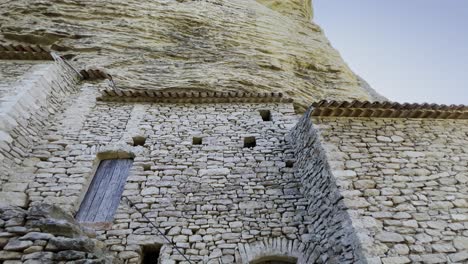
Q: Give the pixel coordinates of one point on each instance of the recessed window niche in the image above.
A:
(265, 114)
(289, 163)
(250, 142)
(197, 141)
(139, 141)
(146, 167)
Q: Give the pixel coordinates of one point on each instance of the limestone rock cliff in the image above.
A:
(222, 45)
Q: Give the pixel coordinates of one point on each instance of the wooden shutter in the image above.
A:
(104, 193)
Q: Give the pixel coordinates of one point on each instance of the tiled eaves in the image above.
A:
(37, 52)
(326, 108)
(24, 52)
(94, 74)
(191, 97)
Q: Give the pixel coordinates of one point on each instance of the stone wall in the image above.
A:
(328, 222)
(10, 72)
(219, 202)
(24, 112)
(405, 184)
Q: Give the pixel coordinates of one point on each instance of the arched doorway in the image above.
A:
(279, 250)
(275, 260)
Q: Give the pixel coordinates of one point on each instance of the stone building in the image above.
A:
(188, 142)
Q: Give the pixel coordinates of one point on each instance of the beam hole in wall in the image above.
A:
(265, 114)
(139, 141)
(250, 142)
(289, 163)
(197, 141)
(146, 167)
(150, 254)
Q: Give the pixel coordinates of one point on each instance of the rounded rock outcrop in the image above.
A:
(242, 45)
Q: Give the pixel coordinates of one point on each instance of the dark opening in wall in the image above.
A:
(275, 260)
(249, 142)
(150, 254)
(139, 141)
(146, 167)
(197, 141)
(266, 115)
(289, 163)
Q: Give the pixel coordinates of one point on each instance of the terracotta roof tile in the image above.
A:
(94, 74)
(23, 52)
(388, 110)
(191, 97)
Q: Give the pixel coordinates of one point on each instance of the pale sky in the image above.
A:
(408, 50)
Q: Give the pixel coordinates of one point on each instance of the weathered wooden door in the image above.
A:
(104, 193)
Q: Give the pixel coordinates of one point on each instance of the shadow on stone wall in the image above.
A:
(331, 237)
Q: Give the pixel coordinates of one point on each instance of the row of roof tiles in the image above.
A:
(37, 52)
(24, 52)
(388, 110)
(386, 105)
(94, 74)
(322, 108)
(192, 97)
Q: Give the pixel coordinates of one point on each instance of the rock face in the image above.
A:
(23, 238)
(242, 45)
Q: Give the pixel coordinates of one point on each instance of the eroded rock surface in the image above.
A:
(23, 238)
(242, 45)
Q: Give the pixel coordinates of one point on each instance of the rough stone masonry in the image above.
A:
(405, 183)
(226, 167)
(217, 201)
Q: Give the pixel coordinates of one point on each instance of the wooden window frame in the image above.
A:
(111, 171)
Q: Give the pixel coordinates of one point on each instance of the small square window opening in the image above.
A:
(250, 142)
(139, 141)
(265, 114)
(197, 141)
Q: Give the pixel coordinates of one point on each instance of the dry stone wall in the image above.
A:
(219, 202)
(328, 221)
(24, 111)
(10, 72)
(405, 184)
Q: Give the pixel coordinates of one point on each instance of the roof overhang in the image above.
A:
(387, 110)
(191, 97)
(24, 52)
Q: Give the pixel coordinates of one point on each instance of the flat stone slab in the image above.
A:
(13, 199)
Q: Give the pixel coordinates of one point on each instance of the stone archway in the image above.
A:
(273, 251)
(275, 260)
